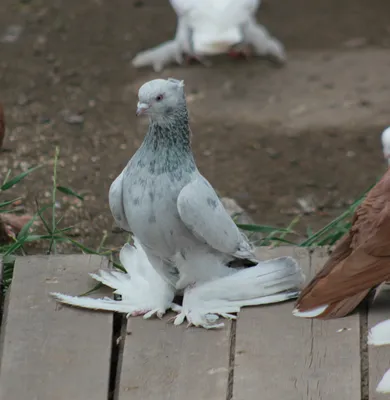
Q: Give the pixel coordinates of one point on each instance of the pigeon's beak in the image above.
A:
(141, 108)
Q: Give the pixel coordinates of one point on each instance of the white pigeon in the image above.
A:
(386, 144)
(182, 231)
(209, 27)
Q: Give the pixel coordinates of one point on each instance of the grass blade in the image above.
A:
(70, 192)
(12, 182)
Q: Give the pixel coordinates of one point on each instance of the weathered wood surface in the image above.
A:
(57, 352)
(307, 359)
(165, 362)
(50, 351)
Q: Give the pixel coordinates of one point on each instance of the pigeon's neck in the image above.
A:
(167, 145)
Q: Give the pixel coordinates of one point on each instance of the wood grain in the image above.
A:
(289, 358)
(166, 362)
(52, 351)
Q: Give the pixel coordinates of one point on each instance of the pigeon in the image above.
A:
(210, 27)
(182, 230)
(359, 264)
(386, 144)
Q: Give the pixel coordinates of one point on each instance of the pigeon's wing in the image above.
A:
(360, 262)
(213, 25)
(115, 199)
(204, 215)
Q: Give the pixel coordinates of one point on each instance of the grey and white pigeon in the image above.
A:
(185, 241)
(209, 27)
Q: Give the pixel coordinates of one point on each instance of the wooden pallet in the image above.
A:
(55, 352)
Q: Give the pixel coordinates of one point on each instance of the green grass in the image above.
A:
(52, 233)
(271, 236)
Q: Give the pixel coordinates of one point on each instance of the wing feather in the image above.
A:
(204, 215)
(115, 199)
(361, 261)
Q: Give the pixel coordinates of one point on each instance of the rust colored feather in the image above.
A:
(360, 261)
(2, 126)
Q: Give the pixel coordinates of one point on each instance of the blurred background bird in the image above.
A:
(210, 27)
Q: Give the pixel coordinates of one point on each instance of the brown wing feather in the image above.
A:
(360, 261)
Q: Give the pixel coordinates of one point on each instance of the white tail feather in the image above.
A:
(253, 284)
(269, 282)
(379, 335)
(142, 288)
(384, 384)
(314, 312)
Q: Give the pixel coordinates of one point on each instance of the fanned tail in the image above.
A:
(269, 282)
(142, 289)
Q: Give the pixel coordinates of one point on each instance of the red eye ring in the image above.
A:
(159, 97)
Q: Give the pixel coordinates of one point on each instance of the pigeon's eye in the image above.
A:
(159, 97)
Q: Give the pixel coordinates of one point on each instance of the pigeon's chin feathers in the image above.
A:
(160, 98)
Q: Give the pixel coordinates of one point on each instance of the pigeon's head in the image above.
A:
(161, 98)
(386, 144)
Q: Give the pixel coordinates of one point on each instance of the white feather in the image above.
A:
(384, 384)
(379, 335)
(315, 312)
(142, 289)
(216, 24)
(272, 281)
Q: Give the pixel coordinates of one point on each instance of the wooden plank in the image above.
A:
(289, 358)
(378, 357)
(166, 362)
(52, 351)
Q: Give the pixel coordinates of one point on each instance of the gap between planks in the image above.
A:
(159, 361)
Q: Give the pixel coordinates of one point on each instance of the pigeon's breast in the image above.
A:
(150, 204)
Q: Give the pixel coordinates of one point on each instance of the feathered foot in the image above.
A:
(269, 282)
(143, 290)
(158, 57)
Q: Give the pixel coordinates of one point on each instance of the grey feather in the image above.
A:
(116, 203)
(204, 215)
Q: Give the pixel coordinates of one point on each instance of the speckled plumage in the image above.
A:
(145, 197)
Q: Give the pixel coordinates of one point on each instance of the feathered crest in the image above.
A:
(179, 83)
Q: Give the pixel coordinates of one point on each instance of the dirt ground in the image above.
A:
(263, 135)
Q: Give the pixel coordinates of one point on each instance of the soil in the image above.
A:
(263, 135)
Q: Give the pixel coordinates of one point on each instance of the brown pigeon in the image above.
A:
(359, 263)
